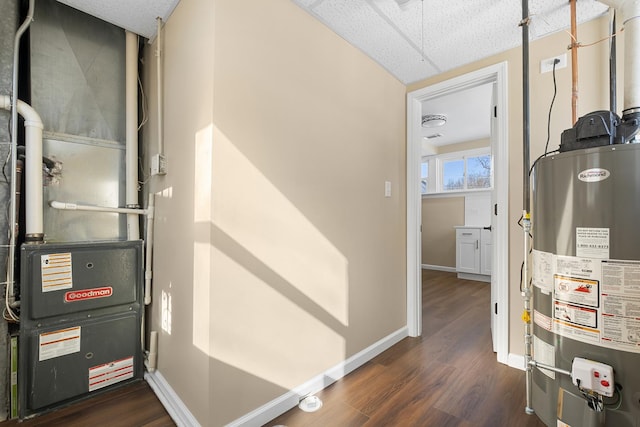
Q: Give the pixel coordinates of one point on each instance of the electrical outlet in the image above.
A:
(546, 65)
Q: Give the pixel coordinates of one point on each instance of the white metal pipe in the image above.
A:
(33, 167)
(76, 207)
(149, 212)
(159, 82)
(14, 149)
(630, 13)
(631, 64)
(131, 156)
(549, 367)
(148, 273)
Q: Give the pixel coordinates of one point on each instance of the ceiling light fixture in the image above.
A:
(433, 120)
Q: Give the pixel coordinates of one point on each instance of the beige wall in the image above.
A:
(276, 251)
(439, 216)
(276, 248)
(593, 87)
(462, 146)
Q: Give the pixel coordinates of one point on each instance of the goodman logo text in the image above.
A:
(86, 294)
(594, 175)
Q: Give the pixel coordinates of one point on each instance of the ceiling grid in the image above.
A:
(456, 32)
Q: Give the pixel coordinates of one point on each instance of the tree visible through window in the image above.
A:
(453, 175)
(479, 172)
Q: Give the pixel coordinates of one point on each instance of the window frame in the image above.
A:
(436, 167)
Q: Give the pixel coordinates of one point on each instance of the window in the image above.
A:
(424, 177)
(479, 172)
(460, 171)
(453, 175)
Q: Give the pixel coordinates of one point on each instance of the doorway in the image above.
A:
(496, 74)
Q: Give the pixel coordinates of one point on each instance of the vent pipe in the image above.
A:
(33, 168)
(630, 13)
(612, 65)
(131, 163)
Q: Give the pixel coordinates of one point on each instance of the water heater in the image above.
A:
(585, 276)
(586, 286)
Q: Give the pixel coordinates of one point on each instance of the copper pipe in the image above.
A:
(574, 63)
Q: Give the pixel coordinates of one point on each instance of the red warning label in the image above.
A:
(86, 294)
(110, 373)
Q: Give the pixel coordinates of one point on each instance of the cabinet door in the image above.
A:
(468, 250)
(486, 245)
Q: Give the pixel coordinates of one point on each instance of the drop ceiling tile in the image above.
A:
(456, 32)
(359, 24)
(138, 16)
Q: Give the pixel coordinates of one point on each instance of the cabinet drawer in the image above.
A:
(468, 233)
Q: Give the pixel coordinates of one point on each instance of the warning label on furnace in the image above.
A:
(110, 373)
(56, 272)
(59, 343)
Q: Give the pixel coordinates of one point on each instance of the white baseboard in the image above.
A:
(516, 361)
(476, 277)
(282, 404)
(438, 268)
(170, 400)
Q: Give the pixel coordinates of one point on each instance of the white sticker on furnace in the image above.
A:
(56, 272)
(59, 343)
(592, 242)
(110, 373)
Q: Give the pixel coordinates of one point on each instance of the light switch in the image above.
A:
(387, 189)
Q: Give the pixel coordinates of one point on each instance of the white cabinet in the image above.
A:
(468, 250)
(473, 253)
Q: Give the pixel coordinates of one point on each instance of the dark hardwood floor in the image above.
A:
(447, 377)
(134, 405)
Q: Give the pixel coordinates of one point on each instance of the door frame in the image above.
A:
(500, 150)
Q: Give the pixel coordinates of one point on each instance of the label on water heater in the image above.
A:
(596, 301)
(592, 242)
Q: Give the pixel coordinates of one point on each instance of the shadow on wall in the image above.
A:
(268, 286)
